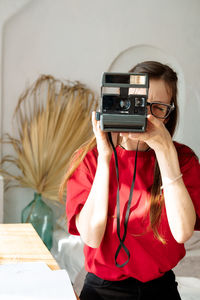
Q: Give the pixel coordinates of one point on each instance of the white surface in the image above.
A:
(68, 252)
(23, 267)
(33, 281)
(189, 288)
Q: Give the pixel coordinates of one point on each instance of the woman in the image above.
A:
(132, 258)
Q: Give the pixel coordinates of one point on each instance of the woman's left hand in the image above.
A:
(156, 136)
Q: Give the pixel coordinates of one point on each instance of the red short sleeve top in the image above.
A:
(149, 258)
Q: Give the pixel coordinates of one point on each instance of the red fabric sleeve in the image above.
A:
(190, 169)
(78, 189)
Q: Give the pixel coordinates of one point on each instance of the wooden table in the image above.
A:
(21, 243)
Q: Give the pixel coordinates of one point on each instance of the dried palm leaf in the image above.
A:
(52, 119)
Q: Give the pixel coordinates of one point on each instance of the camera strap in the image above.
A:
(121, 240)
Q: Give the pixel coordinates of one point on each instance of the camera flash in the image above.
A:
(137, 79)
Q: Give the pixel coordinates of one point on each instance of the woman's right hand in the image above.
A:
(103, 145)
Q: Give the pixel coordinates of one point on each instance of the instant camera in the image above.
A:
(123, 105)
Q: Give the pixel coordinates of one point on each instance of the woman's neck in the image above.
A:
(129, 144)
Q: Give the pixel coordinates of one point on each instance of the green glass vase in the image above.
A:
(40, 215)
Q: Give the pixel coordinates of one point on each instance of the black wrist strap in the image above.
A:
(121, 240)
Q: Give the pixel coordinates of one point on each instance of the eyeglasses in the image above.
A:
(160, 110)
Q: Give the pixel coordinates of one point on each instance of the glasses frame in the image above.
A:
(170, 107)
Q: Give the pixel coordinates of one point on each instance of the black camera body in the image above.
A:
(123, 102)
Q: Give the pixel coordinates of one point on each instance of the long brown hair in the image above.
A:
(155, 70)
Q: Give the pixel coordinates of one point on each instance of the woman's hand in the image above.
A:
(156, 136)
(103, 145)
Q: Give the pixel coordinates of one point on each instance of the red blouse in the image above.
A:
(149, 258)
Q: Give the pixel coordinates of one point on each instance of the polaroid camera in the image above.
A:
(123, 102)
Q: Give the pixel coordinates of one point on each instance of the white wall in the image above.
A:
(79, 40)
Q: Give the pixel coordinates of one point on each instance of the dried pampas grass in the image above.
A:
(52, 119)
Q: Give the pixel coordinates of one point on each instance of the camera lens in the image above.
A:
(140, 102)
(125, 104)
